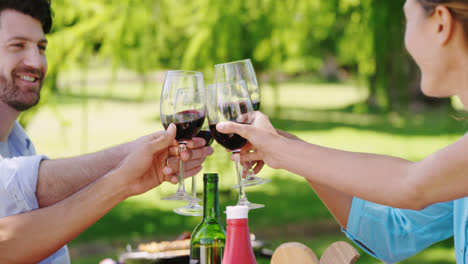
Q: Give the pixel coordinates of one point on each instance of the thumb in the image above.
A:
(171, 130)
(163, 141)
(232, 127)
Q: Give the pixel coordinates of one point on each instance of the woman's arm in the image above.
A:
(382, 179)
(337, 202)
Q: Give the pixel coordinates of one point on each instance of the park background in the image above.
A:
(332, 72)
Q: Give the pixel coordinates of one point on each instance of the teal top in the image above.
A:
(393, 234)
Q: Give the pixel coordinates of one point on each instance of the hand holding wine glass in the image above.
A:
(237, 71)
(183, 104)
(260, 134)
(230, 101)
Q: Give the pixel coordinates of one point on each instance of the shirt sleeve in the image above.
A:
(393, 234)
(18, 184)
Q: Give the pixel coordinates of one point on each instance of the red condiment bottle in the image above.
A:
(238, 247)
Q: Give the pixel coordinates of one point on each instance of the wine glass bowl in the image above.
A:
(237, 71)
(188, 124)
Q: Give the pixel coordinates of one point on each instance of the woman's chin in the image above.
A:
(434, 90)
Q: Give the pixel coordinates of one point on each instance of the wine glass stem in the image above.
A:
(250, 173)
(239, 177)
(181, 188)
(194, 186)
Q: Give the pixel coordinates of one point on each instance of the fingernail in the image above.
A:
(167, 171)
(211, 150)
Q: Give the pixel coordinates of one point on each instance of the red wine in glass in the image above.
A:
(206, 135)
(229, 141)
(188, 123)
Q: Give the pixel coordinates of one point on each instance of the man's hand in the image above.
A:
(194, 156)
(142, 169)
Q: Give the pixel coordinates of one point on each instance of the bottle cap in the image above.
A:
(237, 212)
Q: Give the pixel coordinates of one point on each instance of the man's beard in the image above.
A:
(10, 94)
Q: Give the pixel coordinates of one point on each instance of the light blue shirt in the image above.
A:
(396, 234)
(19, 168)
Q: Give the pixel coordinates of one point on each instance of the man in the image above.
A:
(46, 203)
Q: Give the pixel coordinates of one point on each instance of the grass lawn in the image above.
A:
(315, 112)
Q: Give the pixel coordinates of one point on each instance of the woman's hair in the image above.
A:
(39, 9)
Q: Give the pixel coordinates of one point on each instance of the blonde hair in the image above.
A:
(458, 8)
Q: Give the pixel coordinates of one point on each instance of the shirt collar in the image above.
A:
(19, 140)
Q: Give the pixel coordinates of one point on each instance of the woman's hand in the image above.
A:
(260, 134)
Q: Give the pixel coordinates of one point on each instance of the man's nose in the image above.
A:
(35, 58)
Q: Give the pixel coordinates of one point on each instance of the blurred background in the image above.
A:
(332, 72)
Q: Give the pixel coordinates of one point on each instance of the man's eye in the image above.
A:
(42, 48)
(18, 45)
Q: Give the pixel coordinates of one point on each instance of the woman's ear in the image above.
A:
(444, 24)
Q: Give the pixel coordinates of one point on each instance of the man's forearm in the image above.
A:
(35, 235)
(58, 179)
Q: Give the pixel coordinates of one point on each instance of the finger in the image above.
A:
(163, 141)
(258, 166)
(197, 153)
(188, 173)
(251, 156)
(173, 166)
(193, 171)
(193, 164)
(172, 161)
(247, 148)
(168, 171)
(160, 162)
(231, 127)
(196, 142)
(174, 151)
(186, 155)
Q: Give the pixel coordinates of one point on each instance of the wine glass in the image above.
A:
(193, 208)
(230, 101)
(236, 71)
(183, 103)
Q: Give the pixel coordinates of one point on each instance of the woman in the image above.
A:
(437, 38)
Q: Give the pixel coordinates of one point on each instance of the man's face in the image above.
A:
(23, 64)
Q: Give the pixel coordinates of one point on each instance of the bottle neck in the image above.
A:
(210, 200)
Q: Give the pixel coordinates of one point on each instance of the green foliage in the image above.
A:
(363, 38)
(291, 36)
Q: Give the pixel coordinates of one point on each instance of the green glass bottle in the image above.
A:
(208, 238)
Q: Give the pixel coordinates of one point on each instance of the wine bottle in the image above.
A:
(238, 246)
(208, 238)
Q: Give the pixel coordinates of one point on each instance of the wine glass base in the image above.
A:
(252, 181)
(191, 209)
(250, 205)
(180, 196)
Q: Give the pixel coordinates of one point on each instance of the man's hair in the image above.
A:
(38, 9)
